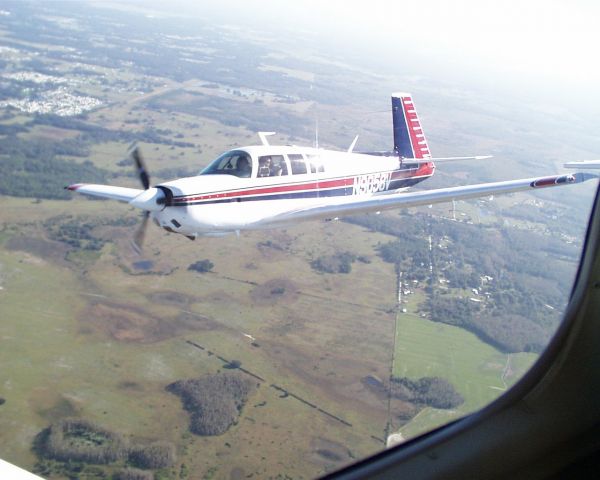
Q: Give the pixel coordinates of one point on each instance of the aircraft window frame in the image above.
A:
(227, 164)
(298, 160)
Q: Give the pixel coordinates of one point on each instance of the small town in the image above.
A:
(58, 101)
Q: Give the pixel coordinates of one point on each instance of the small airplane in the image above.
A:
(266, 186)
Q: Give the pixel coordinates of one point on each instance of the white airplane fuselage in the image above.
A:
(219, 203)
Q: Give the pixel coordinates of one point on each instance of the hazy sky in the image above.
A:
(534, 41)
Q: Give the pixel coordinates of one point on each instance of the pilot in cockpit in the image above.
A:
(243, 167)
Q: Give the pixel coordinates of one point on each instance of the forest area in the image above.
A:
(519, 298)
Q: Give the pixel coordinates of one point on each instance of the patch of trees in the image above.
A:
(32, 169)
(340, 262)
(496, 325)
(508, 332)
(76, 442)
(433, 392)
(42, 148)
(411, 256)
(153, 456)
(133, 474)
(75, 232)
(80, 441)
(202, 266)
(2, 400)
(213, 401)
(44, 177)
(91, 133)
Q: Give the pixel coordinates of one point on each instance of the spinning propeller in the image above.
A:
(152, 199)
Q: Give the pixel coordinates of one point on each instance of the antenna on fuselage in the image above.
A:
(317, 133)
(263, 137)
(353, 144)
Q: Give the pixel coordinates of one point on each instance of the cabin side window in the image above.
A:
(315, 163)
(272, 166)
(297, 163)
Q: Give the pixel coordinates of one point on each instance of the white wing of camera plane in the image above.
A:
(265, 185)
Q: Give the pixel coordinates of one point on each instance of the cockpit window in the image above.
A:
(236, 163)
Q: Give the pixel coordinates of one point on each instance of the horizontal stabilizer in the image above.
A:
(584, 164)
(428, 159)
(453, 159)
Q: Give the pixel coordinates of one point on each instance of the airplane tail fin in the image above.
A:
(409, 138)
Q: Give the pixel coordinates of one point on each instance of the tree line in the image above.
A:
(34, 167)
(433, 392)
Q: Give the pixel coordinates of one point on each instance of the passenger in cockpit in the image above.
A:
(276, 169)
(264, 166)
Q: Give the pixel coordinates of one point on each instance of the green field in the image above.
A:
(477, 370)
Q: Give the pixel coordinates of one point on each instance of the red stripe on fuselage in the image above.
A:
(316, 185)
(425, 169)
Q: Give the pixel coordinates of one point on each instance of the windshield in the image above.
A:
(236, 163)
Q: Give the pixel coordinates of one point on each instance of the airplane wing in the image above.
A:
(106, 191)
(354, 205)
(15, 473)
(589, 164)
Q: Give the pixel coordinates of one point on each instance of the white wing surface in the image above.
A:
(106, 191)
(354, 205)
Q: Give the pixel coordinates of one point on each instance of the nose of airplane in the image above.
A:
(151, 200)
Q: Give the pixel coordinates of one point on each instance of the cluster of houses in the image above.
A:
(57, 100)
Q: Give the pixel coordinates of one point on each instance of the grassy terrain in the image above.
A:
(93, 350)
(478, 371)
